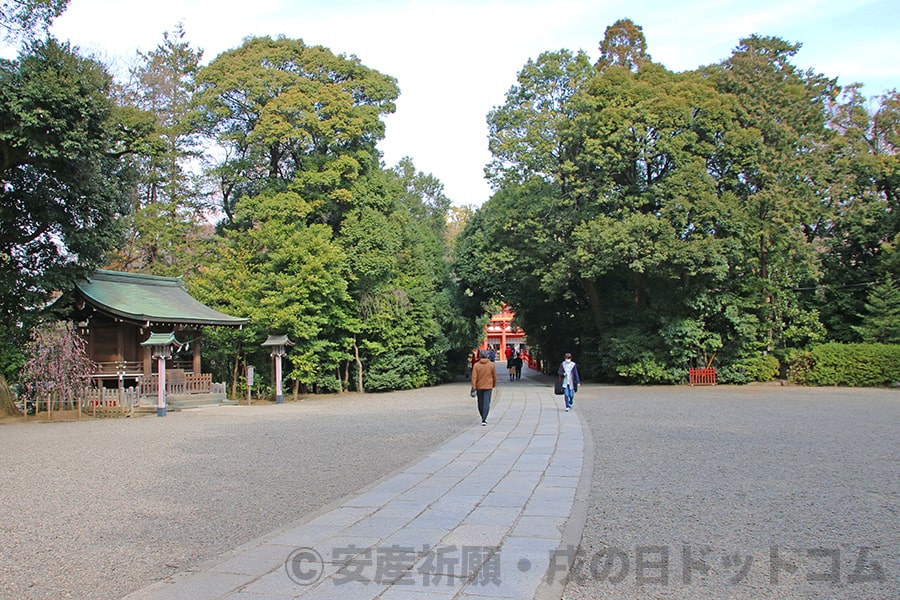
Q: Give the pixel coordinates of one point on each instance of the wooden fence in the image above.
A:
(105, 401)
(702, 376)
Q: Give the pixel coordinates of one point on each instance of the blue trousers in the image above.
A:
(569, 395)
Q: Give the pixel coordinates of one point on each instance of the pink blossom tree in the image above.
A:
(58, 365)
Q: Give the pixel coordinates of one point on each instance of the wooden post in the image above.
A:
(196, 355)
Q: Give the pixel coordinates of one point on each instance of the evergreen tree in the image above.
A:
(169, 206)
(863, 193)
(66, 177)
(881, 320)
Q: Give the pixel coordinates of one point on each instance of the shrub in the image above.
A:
(800, 366)
(762, 367)
(649, 371)
(395, 372)
(855, 365)
(328, 384)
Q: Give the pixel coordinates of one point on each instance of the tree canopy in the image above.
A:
(293, 116)
(653, 221)
(647, 220)
(65, 173)
(26, 19)
(346, 257)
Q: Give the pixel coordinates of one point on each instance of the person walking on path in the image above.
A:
(484, 378)
(568, 372)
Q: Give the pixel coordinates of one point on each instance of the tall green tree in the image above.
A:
(296, 117)
(289, 278)
(351, 257)
(169, 206)
(654, 234)
(780, 187)
(628, 214)
(863, 194)
(633, 247)
(509, 248)
(399, 259)
(65, 173)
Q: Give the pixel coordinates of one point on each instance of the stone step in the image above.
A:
(177, 402)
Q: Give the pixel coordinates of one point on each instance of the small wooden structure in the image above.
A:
(117, 312)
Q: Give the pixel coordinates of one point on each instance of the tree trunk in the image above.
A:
(593, 295)
(7, 406)
(234, 376)
(346, 383)
(769, 299)
(359, 368)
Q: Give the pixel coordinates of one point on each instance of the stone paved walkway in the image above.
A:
(480, 517)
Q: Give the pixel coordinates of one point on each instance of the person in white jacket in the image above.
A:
(568, 373)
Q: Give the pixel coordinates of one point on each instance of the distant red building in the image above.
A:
(500, 332)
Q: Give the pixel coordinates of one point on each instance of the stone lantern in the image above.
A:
(278, 343)
(161, 345)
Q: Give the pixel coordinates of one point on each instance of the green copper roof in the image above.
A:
(277, 340)
(160, 339)
(150, 299)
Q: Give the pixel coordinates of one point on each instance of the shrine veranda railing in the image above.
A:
(177, 383)
(179, 378)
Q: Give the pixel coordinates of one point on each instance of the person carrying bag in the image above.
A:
(568, 380)
(484, 378)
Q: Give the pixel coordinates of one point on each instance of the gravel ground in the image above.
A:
(707, 492)
(100, 508)
(758, 491)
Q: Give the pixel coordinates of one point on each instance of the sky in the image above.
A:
(455, 60)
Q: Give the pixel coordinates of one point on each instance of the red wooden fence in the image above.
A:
(703, 376)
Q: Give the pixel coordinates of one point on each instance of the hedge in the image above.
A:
(854, 365)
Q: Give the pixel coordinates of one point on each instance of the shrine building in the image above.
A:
(117, 311)
(500, 332)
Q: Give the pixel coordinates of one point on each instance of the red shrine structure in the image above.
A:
(500, 331)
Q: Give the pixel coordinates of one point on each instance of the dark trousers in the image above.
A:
(484, 403)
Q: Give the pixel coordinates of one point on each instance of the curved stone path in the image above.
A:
(483, 515)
